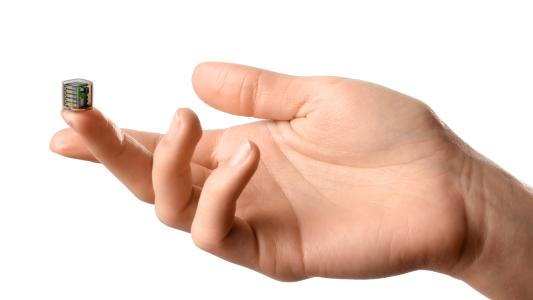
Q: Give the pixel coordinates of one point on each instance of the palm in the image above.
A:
(346, 179)
(377, 179)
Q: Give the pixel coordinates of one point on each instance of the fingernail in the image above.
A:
(241, 154)
(174, 126)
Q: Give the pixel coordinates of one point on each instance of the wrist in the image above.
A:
(497, 255)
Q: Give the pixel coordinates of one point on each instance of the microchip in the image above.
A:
(77, 94)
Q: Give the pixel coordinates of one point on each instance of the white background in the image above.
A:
(69, 230)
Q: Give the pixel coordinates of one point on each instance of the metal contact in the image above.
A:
(77, 94)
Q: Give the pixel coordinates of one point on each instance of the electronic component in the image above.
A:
(77, 94)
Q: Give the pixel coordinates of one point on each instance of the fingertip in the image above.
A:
(254, 147)
(60, 142)
(202, 78)
(179, 143)
(185, 112)
(255, 155)
(68, 143)
(249, 91)
(203, 69)
(191, 121)
(247, 153)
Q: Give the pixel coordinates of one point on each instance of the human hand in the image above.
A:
(342, 178)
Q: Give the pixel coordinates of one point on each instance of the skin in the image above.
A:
(341, 178)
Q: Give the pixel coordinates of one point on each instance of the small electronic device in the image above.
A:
(77, 94)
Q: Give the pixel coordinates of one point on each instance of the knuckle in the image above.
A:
(250, 92)
(145, 195)
(205, 241)
(143, 190)
(168, 217)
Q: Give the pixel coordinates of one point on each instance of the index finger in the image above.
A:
(70, 144)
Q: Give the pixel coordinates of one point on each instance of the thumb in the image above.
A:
(247, 91)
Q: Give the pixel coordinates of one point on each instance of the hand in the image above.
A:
(342, 178)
